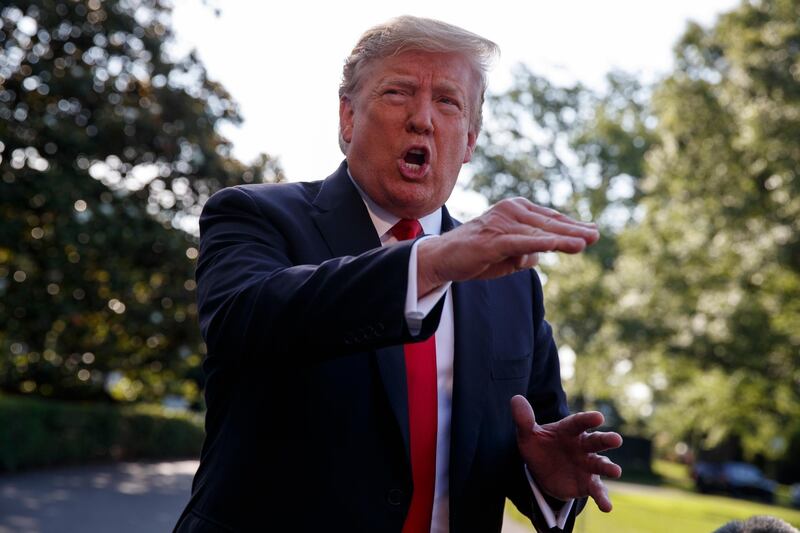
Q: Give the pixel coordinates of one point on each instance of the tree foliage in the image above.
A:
(691, 322)
(571, 148)
(580, 151)
(719, 312)
(108, 150)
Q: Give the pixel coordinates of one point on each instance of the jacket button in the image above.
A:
(394, 497)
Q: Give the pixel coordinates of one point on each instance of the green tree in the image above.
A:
(709, 282)
(580, 151)
(108, 149)
(571, 148)
(690, 318)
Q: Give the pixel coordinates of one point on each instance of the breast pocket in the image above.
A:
(516, 368)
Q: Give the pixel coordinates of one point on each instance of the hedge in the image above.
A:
(38, 433)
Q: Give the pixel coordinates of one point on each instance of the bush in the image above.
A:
(39, 433)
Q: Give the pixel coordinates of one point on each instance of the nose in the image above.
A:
(420, 117)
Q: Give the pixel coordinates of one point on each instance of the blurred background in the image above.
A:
(674, 126)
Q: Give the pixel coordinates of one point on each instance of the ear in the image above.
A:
(472, 139)
(346, 118)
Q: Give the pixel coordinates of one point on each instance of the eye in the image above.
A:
(450, 103)
(393, 92)
(393, 95)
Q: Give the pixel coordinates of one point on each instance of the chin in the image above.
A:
(418, 202)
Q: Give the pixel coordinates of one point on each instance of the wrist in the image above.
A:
(427, 276)
(554, 501)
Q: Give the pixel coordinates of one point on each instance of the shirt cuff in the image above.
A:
(547, 511)
(418, 308)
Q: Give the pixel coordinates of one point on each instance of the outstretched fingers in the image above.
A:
(603, 466)
(577, 423)
(599, 441)
(508, 237)
(526, 261)
(515, 245)
(552, 213)
(599, 493)
(558, 226)
(522, 413)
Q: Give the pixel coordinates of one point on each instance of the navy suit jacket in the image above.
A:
(302, 312)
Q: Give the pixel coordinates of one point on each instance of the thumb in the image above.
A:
(522, 413)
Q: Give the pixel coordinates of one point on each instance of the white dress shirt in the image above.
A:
(416, 310)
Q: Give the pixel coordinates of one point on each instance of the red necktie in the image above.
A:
(422, 413)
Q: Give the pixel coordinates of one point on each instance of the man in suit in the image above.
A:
(362, 377)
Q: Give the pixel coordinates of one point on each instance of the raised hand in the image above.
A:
(506, 238)
(562, 457)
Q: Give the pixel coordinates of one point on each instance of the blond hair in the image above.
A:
(407, 33)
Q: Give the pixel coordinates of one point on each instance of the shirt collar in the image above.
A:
(383, 220)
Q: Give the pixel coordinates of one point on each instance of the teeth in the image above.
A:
(416, 156)
(415, 159)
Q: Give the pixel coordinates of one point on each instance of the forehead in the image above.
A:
(442, 69)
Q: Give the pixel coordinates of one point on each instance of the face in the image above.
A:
(409, 129)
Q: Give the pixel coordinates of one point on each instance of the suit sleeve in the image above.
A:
(253, 300)
(546, 395)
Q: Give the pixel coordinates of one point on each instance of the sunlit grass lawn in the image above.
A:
(675, 511)
(653, 510)
(670, 512)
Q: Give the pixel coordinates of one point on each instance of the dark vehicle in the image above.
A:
(794, 495)
(737, 479)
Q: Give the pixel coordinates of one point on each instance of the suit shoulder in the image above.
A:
(268, 195)
(303, 191)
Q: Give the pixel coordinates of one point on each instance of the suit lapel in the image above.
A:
(347, 229)
(473, 344)
(392, 367)
(343, 219)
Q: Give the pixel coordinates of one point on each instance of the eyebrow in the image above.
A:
(450, 88)
(400, 81)
(443, 86)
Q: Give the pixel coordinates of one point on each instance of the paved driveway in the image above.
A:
(110, 498)
(116, 498)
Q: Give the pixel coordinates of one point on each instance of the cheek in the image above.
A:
(378, 135)
(457, 152)
(458, 142)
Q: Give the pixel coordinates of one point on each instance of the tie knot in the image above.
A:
(406, 229)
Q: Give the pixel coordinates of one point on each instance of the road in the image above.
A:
(120, 498)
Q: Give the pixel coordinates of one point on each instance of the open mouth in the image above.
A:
(416, 156)
(414, 163)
